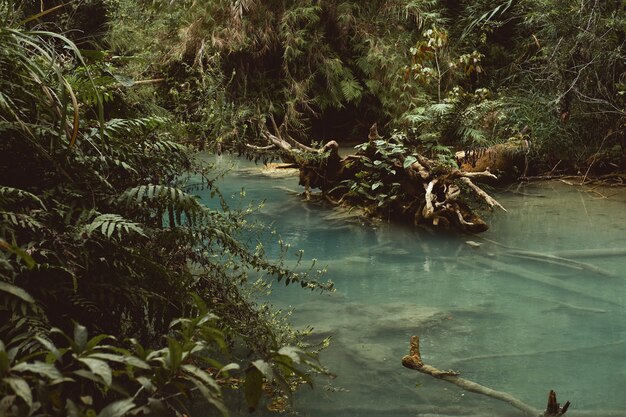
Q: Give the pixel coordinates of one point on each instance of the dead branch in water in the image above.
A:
(414, 361)
(387, 180)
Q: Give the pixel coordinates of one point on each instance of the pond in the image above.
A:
(502, 314)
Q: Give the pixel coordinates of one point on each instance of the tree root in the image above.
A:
(414, 361)
(384, 183)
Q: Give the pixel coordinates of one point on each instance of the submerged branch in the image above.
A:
(414, 361)
(482, 194)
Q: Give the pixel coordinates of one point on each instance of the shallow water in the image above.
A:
(502, 317)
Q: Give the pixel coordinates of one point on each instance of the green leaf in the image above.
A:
(125, 81)
(156, 408)
(118, 408)
(265, 368)
(174, 355)
(291, 352)
(408, 161)
(28, 260)
(99, 368)
(16, 291)
(127, 360)
(253, 388)
(211, 397)
(71, 409)
(201, 375)
(80, 336)
(49, 346)
(21, 389)
(376, 185)
(84, 373)
(229, 367)
(44, 369)
(94, 341)
(4, 361)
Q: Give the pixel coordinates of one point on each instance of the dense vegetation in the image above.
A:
(120, 293)
(445, 75)
(100, 101)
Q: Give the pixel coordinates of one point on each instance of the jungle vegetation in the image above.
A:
(120, 293)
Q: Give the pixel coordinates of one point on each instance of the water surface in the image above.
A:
(499, 315)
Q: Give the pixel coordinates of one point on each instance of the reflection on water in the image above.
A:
(503, 314)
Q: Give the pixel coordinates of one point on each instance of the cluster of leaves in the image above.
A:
(460, 120)
(380, 183)
(83, 376)
(97, 228)
(375, 182)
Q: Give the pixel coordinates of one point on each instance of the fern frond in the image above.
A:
(165, 146)
(416, 117)
(469, 135)
(441, 109)
(110, 224)
(9, 195)
(351, 89)
(19, 220)
(161, 196)
(118, 127)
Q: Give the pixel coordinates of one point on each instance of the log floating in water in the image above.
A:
(414, 361)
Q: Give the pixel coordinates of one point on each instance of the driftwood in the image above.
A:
(425, 193)
(414, 361)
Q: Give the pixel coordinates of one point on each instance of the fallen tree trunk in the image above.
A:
(386, 180)
(414, 361)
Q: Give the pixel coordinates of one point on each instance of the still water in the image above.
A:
(501, 314)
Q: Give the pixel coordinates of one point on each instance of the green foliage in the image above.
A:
(294, 61)
(230, 66)
(82, 376)
(97, 228)
(560, 68)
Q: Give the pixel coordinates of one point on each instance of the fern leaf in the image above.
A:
(162, 198)
(110, 224)
(20, 220)
(15, 195)
(351, 90)
(118, 127)
(469, 135)
(441, 109)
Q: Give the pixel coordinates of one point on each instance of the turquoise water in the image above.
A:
(502, 317)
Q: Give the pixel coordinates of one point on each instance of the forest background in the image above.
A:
(104, 102)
